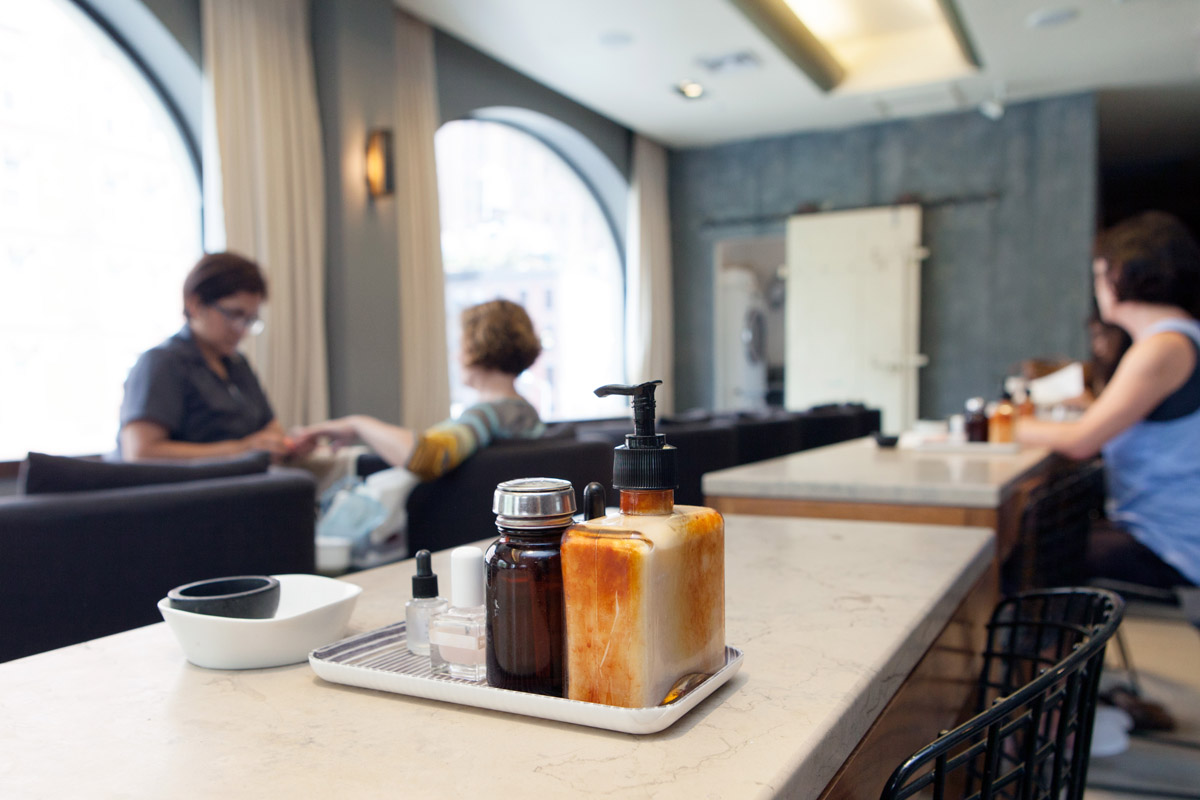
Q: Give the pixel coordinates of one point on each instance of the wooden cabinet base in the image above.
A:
(869, 512)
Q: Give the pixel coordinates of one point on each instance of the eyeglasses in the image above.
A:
(250, 323)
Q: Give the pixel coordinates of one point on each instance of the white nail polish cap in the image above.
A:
(466, 577)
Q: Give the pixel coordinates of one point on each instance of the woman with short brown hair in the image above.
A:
(1146, 422)
(498, 344)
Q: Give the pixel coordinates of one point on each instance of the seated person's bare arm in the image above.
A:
(393, 443)
(145, 440)
(1150, 372)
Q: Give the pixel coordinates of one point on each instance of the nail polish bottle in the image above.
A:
(457, 636)
(425, 603)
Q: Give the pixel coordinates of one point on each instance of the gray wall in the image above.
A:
(469, 80)
(1009, 210)
(354, 54)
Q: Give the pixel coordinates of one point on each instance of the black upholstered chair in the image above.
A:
(77, 565)
(457, 508)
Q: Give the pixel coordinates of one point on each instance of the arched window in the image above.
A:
(99, 222)
(519, 223)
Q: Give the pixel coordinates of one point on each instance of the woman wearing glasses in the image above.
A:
(194, 395)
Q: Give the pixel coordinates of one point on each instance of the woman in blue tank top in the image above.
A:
(1147, 420)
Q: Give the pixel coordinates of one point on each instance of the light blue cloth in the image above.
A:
(1153, 472)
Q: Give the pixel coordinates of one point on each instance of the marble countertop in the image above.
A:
(860, 471)
(832, 615)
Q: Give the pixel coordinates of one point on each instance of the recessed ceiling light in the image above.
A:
(616, 40)
(1051, 16)
(690, 89)
(731, 62)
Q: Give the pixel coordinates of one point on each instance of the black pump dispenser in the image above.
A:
(425, 582)
(645, 461)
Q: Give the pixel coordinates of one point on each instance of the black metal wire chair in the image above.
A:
(1055, 524)
(1037, 700)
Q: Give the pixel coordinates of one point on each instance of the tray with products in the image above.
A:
(380, 660)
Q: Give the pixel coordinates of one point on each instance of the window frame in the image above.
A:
(555, 147)
(586, 161)
(608, 186)
(173, 110)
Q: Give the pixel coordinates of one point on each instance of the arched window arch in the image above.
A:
(100, 219)
(519, 222)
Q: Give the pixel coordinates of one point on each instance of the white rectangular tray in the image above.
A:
(380, 660)
(963, 448)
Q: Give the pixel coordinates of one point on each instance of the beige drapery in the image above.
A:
(424, 373)
(258, 59)
(649, 331)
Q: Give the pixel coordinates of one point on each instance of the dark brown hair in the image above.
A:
(218, 275)
(1152, 258)
(499, 335)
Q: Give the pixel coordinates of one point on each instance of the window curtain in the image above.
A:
(424, 372)
(649, 334)
(259, 64)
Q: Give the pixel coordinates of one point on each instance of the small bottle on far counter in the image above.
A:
(975, 421)
(1000, 423)
(957, 428)
(457, 640)
(425, 603)
(1018, 389)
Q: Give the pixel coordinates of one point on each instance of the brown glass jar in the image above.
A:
(976, 421)
(526, 644)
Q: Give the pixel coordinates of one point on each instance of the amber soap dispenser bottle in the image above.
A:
(643, 589)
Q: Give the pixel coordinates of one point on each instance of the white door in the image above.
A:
(853, 310)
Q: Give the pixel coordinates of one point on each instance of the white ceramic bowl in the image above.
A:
(313, 611)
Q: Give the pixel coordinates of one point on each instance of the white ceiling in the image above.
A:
(622, 58)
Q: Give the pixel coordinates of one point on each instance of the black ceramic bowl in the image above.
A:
(885, 441)
(244, 596)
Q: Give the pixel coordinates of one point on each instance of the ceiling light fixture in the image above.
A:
(690, 89)
(993, 107)
(1051, 17)
(776, 21)
(741, 61)
(616, 40)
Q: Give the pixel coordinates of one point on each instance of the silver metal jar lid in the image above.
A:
(534, 502)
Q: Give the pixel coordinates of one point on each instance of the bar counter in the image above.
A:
(860, 480)
(833, 617)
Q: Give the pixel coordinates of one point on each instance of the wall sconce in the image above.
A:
(379, 163)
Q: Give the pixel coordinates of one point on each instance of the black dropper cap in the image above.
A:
(645, 461)
(424, 582)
